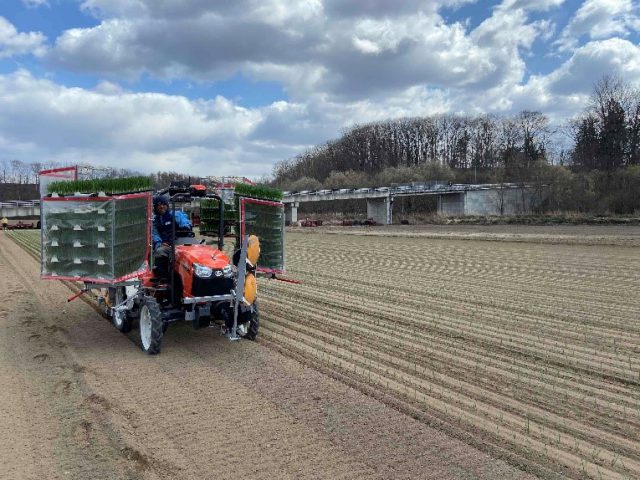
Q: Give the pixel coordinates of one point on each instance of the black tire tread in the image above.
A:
(127, 324)
(156, 325)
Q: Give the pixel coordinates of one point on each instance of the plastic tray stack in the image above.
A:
(95, 238)
(210, 216)
(265, 219)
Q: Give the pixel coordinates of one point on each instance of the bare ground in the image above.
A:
(618, 235)
(522, 341)
(79, 400)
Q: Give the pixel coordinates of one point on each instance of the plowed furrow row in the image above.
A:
(516, 431)
(544, 390)
(558, 352)
(497, 318)
(523, 267)
(547, 427)
(583, 308)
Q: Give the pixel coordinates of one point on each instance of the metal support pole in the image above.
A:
(173, 247)
(239, 293)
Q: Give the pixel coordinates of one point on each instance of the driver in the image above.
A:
(162, 232)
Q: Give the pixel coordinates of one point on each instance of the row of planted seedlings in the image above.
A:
(96, 229)
(29, 240)
(566, 332)
(486, 265)
(567, 325)
(579, 334)
(401, 344)
(431, 324)
(537, 380)
(525, 425)
(510, 287)
(490, 325)
(519, 433)
(582, 403)
(517, 283)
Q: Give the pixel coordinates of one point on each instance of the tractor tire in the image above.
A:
(120, 319)
(254, 321)
(151, 326)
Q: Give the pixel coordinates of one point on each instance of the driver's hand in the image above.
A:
(165, 244)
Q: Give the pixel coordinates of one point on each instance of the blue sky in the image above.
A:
(231, 88)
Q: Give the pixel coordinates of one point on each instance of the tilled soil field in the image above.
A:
(79, 400)
(522, 343)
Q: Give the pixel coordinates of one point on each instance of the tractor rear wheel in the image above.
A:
(151, 326)
(253, 317)
(120, 318)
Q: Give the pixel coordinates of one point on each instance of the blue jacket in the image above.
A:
(161, 227)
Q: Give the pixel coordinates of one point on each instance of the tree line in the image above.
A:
(589, 164)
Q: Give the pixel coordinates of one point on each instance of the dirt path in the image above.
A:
(81, 401)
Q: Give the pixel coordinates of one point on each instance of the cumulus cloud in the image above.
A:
(590, 62)
(564, 92)
(109, 125)
(598, 19)
(339, 63)
(533, 5)
(14, 43)
(351, 50)
(116, 127)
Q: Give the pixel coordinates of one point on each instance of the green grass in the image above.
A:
(258, 191)
(106, 185)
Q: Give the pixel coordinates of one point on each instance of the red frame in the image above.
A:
(62, 169)
(104, 199)
(244, 200)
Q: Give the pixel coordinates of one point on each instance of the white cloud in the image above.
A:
(533, 5)
(564, 92)
(41, 120)
(350, 50)
(13, 43)
(599, 19)
(35, 3)
(592, 61)
(340, 63)
(118, 128)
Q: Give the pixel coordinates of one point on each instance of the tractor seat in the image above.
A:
(185, 237)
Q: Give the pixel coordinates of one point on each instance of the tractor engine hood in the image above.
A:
(204, 271)
(205, 255)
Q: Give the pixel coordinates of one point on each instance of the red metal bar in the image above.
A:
(55, 170)
(287, 280)
(73, 297)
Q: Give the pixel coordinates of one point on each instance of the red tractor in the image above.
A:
(204, 287)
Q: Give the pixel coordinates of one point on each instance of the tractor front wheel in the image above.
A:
(151, 324)
(120, 318)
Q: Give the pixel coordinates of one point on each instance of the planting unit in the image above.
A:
(99, 239)
(265, 219)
